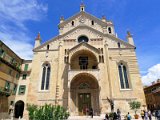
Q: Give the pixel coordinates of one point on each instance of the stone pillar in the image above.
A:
(108, 66)
(69, 100)
(108, 76)
(58, 75)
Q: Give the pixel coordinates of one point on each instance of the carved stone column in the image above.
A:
(108, 66)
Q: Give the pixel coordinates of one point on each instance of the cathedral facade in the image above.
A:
(85, 66)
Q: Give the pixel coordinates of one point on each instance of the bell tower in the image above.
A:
(82, 7)
(37, 40)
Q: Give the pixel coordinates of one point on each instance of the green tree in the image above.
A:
(134, 105)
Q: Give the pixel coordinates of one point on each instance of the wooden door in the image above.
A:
(84, 103)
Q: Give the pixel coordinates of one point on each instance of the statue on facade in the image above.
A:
(111, 104)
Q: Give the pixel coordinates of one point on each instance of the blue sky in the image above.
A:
(21, 20)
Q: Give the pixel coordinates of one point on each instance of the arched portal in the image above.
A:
(84, 94)
(19, 108)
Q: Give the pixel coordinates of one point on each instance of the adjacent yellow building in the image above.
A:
(10, 67)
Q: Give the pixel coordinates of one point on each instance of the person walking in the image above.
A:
(128, 116)
(146, 115)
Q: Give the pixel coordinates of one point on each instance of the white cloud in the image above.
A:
(19, 11)
(152, 75)
(13, 31)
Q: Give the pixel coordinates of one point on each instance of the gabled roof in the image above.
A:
(82, 13)
(86, 45)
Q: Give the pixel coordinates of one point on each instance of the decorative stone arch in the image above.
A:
(84, 48)
(94, 74)
(87, 75)
(77, 91)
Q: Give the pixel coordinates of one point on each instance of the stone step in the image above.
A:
(85, 118)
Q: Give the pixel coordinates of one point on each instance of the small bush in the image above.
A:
(47, 112)
(111, 115)
(134, 105)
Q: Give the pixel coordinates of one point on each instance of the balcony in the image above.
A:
(5, 59)
(28, 71)
(156, 90)
(4, 91)
(73, 72)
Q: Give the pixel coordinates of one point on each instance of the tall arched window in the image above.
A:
(45, 77)
(123, 76)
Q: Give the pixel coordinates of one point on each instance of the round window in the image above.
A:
(82, 39)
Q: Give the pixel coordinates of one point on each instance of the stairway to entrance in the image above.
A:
(85, 118)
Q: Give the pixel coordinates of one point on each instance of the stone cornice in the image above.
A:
(88, 27)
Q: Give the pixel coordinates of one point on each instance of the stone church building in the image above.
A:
(85, 66)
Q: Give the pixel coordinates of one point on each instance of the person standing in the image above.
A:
(106, 116)
(142, 114)
(87, 111)
(119, 114)
(156, 114)
(149, 115)
(114, 116)
(91, 112)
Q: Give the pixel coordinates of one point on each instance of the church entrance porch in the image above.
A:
(84, 94)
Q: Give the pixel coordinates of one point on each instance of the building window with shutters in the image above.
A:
(14, 89)
(17, 76)
(7, 86)
(46, 69)
(1, 52)
(26, 67)
(22, 89)
(123, 76)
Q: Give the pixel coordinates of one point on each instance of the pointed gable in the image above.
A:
(83, 18)
(84, 46)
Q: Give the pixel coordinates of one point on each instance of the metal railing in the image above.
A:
(5, 91)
